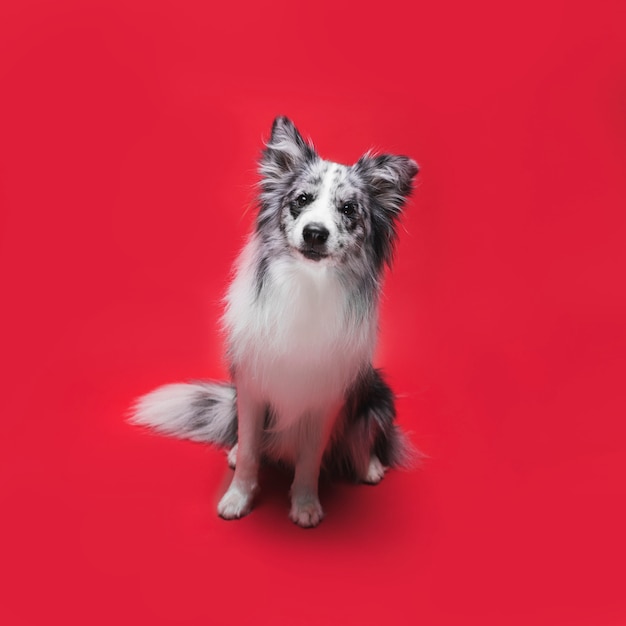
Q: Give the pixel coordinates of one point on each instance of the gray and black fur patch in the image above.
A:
(368, 428)
(285, 158)
(261, 274)
(204, 410)
(387, 181)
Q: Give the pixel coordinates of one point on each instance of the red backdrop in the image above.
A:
(129, 132)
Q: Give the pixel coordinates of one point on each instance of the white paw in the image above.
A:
(306, 513)
(235, 503)
(232, 457)
(375, 471)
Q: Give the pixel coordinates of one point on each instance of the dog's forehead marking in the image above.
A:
(333, 181)
(329, 181)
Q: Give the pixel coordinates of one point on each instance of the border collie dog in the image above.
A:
(300, 321)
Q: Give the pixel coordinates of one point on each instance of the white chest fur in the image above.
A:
(296, 344)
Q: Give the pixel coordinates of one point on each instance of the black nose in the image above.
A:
(315, 235)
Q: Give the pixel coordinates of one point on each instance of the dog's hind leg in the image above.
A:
(231, 457)
(375, 471)
(370, 441)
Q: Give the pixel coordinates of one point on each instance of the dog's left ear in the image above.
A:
(389, 181)
(285, 150)
(389, 178)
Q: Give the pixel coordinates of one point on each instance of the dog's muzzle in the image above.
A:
(315, 237)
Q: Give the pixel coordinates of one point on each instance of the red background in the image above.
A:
(129, 132)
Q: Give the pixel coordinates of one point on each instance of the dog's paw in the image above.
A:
(235, 503)
(232, 457)
(375, 471)
(306, 513)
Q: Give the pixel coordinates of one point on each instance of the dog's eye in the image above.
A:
(295, 206)
(349, 208)
(302, 200)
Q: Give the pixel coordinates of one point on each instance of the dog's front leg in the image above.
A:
(237, 501)
(306, 510)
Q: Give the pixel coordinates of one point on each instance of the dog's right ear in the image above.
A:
(285, 150)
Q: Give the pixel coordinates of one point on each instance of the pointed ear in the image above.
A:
(285, 150)
(389, 178)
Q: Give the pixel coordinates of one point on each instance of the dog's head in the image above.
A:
(327, 212)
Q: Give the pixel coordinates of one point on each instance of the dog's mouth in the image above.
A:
(312, 254)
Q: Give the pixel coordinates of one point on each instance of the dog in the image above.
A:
(300, 322)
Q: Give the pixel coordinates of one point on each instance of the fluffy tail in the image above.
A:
(199, 411)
